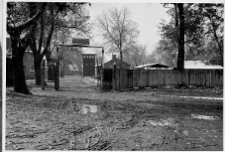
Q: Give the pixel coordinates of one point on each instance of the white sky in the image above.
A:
(146, 15)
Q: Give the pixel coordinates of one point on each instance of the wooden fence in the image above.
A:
(128, 79)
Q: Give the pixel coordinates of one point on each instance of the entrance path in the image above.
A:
(86, 88)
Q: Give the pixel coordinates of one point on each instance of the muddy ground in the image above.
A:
(81, 117)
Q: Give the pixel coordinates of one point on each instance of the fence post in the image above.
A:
(43, 75)
(102, 74)
(133, 79)
(114, 77)
(56, 72)
(117, 79)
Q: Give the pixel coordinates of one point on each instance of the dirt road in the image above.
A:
(80, 117)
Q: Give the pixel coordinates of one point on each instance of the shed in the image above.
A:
(120, 64)
(110, 65)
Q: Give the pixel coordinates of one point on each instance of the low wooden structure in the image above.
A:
(128, 79)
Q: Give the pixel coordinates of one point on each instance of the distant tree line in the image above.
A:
(195, 32)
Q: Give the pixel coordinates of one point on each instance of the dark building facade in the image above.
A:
(9, 69)
(88, 65)
(8, 44)
(28, 62)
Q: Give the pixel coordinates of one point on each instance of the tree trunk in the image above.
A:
(121, 55)
(218, 43)
(37, 66)
(120, 48)
(180, 59)
(62, 73)
(50, 73)
(20, 85)
(176, 15)
(221, 53)
(62, 69)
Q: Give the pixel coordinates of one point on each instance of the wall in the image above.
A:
(28, 62)
(125, 79)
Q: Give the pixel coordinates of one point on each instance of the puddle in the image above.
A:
(195, 116)
(163, 122)
(86, 108)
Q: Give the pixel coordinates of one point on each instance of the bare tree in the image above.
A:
(118, 30)
(135, 55)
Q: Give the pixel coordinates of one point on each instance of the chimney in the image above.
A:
(113, 57)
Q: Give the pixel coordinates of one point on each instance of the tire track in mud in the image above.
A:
(129, 126)
(135, 124)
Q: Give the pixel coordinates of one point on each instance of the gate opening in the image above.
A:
(88, 63)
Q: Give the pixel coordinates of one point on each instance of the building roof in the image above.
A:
(152, 65)
(116, 61)
(200, 65)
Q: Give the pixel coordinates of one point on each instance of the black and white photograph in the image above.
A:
(114, 75)
(1, 69)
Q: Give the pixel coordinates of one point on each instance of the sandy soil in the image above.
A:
(81, 117)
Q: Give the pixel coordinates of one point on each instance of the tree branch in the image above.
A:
(32, 20)
(189, 4)
(41, 35)
(49, 37)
